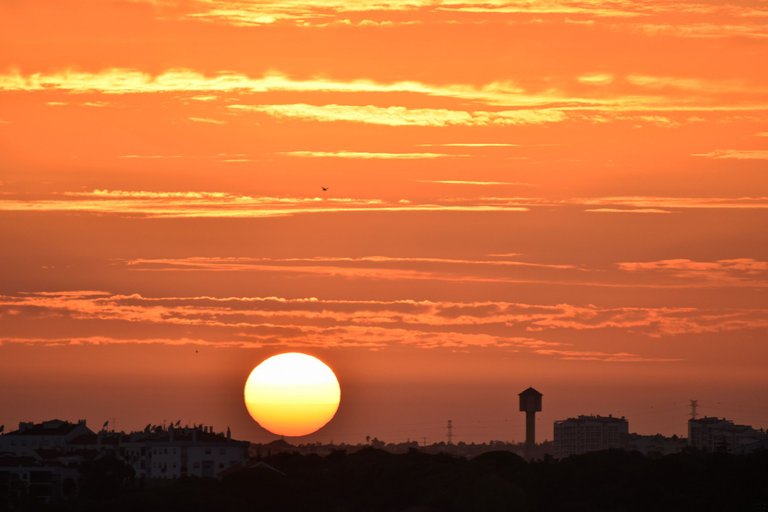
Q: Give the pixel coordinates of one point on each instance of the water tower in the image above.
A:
(530, 404)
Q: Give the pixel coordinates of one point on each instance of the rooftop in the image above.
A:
(47, 428)
(530, 391)
(597, 419)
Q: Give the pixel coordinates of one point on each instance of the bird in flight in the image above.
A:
(325, 189)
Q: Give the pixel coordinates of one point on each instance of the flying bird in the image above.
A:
(325, 189)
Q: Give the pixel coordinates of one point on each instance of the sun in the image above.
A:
(292, 394)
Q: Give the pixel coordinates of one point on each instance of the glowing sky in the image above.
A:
(566, 194)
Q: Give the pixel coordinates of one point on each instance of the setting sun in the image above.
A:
(292, 394)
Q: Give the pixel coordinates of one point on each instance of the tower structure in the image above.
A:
(530, 404)
(694, 406)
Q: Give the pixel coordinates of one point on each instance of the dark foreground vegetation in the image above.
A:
(373, 480)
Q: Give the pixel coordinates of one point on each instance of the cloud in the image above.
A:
(403, 116)
(387, 12)
(200, 204)
(692, 84)
(379, 268)
(596, 78)
(736, 154)
(473, 145)
(374, 324)
(605, 357)
(730, 271)
(517, 105)
(131, 81)
(477, 183)
(221, 205)
(747, 265)
(630, 204)
(366, 155)
(614, 203)
(238, 263)
(206, 120)
(452, 270)
(736, 27)
(626, 210)
(305, 13)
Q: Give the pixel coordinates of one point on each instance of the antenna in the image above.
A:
(694, 405)
(450, 431)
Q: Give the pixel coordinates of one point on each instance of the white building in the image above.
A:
(178, 452)
(52, 434)
(158, 452)
(590, 433)
(720, 434)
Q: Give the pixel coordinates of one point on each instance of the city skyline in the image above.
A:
(446, 202)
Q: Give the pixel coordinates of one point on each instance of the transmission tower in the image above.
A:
(694, 405)
(450, 431)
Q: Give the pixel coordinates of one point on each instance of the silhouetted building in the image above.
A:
(722, 435)
(656, 444)
(178, 452)
(43, 481)
(590, 433)
(530, 403)
(39, 461)
(48, 434)
(156, 452)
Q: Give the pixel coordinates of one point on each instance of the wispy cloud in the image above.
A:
(296, 322)
(737, 270)
(478, 103)
(747, 265)
(596, 78)
(403, 116)
(131, 81)
(736, 154)
(491, 270)
(238, 263)
(200, 204)
(304, 13)
(206, 120)
(473, 145)
(477, 183)
(605, 357)
(224, 205)
(356, 12)
(621, 203)
(737, 27)
(367, 155)
(693, 84)
(372, 268)
(626, 210)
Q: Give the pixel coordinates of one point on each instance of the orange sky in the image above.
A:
(566, 194)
